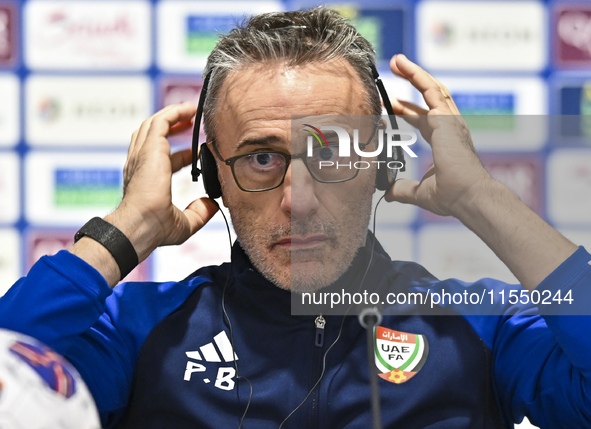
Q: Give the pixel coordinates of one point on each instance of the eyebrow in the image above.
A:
(260, 141)
(330, 135)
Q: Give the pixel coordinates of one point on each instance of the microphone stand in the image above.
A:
(369, 318)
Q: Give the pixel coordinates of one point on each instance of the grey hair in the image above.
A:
(294, 38)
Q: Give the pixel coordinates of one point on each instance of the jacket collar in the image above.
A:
(254, 290)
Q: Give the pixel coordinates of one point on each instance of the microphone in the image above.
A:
(369, 318)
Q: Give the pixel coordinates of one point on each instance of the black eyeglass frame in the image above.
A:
(288, 158)
(196, 172)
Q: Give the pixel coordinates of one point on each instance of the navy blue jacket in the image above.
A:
(157, 355)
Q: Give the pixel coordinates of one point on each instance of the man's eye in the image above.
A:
(265, 161)
(262, 159)
(326, 153)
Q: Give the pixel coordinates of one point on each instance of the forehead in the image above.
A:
(258, 101)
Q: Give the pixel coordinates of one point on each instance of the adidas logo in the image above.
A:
(224, 379)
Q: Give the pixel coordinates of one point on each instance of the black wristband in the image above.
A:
(113, 240)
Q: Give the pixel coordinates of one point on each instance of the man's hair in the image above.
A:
(294, 38)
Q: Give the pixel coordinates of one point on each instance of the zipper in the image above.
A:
(320, 322)
(314, 416)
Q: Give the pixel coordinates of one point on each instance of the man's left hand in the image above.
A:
(457, 173)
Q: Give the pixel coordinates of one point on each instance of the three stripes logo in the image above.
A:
(220, 348)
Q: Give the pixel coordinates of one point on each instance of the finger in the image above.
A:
(430, 172)
(163, 121)
(139, 137)
(133, 140)
(406, 108)
(423, 81)
(142, 133)
(180, 127)
(199, 212)
(128, 161)
(394, 67)
(447, 95)
(403, 191)
(181, 159)
(413, 115)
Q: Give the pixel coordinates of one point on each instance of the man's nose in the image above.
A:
(299, 191)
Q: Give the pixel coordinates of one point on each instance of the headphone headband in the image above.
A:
(195, 172)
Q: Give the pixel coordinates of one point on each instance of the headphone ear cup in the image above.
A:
(385, 176)
(209, 171)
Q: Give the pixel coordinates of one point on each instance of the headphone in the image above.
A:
(385, 177)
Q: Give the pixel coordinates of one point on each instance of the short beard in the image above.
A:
(258, 243)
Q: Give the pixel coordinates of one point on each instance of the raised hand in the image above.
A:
(457, 172)
(457, 184)
(146, 214)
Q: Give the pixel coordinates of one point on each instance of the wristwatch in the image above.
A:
(112, 239)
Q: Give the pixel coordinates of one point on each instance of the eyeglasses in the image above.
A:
(265, 170)
(276, 163)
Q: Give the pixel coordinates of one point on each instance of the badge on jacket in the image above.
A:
(399, 355)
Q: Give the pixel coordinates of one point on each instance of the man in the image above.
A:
(167, 355)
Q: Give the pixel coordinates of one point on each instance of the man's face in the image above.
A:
(304, 234)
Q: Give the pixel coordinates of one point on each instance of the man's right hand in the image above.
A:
(146, 215)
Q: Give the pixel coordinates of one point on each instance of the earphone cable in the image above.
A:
(342, 321)
(238, 376)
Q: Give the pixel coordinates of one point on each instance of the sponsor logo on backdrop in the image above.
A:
(187, 31)
(87, 35)
(503, 113)
(574, 122)
(9, 109)
(483, 103)
(85, 110)
(383, 24)
(502, 105)
(585, 106)
(49, 109)
(41, 242)
(177, 91)
(10, 264)
(569, 186)
(68, 188)
(7, 34)
(573, 35)
(443, 34)
(104, 110)
(486, 35)
(521, 174)
(203, 31)
(371, 27)
(77, 187)
(451, 250)
(9, 187)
